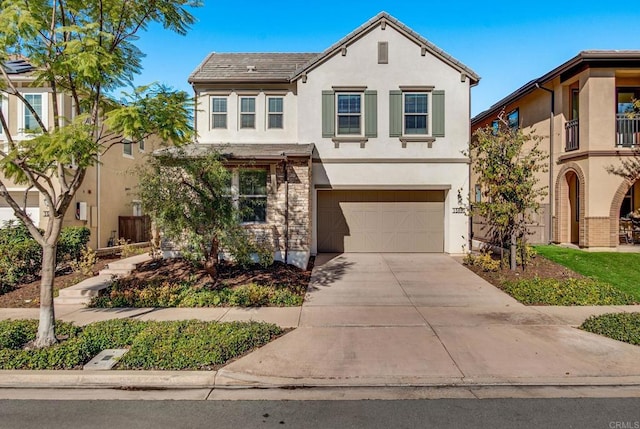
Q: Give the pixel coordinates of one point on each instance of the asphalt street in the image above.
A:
(601, 413)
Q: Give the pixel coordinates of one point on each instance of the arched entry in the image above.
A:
(625, 207)
(573, 184)
(570, 205)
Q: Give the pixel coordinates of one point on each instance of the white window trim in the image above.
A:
(134, 204)
(240, 112)
(429, 114)
(362, 110)
(235, 192)
(4, 106)
(124, 154)
(225, 113)
(269, 97)
(21, 135)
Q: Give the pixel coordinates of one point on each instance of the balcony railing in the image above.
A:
(627, 130)
(572, 135)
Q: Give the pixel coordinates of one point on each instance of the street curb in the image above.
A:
(180, 380)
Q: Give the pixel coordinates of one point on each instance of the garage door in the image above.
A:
(380, 221)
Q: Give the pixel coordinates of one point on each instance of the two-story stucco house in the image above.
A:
(583, 110)
(355, 149)
(107, 192)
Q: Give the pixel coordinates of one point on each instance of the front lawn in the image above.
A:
(619, 326)
(176, 283)
(177, 345)
(620, 270)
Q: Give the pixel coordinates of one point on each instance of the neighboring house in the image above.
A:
(581, 110)
(355, 149)
(107, 190)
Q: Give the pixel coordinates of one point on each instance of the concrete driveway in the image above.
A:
(424, 319)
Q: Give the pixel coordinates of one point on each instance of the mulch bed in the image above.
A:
(229, 275)
(27, 295)
(539, 266)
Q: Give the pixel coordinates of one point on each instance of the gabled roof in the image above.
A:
(582, 61)
(384, 17)
(287, 67)
(243, 67)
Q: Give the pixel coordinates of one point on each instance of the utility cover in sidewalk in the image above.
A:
(106, 359)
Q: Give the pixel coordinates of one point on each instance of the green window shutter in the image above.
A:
(395, 113)
(328, 114)
(371, 114)
(438, 114)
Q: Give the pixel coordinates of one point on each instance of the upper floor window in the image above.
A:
(30, 123)
(513, 119)
(218, 112)
(416, 113)
(275, 112)
(141, 145)
(349, 108)
(127, 148)
(247, 112)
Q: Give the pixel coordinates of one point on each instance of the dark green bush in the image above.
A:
(21, 255)
(154, 345)
(566, 292)
(619, 326)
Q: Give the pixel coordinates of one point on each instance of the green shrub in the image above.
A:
(73, 239)
(484, 261)
(194, 344)
(619, 326)
(154, 345)
(538, 291)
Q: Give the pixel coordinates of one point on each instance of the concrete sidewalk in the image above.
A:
(385, 320)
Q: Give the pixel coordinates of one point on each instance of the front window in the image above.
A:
(275, 112)
(416, 114)
(218, 112)
(30, 122)
(252, 189)
(247, 112)
(127, 148)
(349, 114)
(513, 118)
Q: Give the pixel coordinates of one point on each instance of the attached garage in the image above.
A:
(380, 221)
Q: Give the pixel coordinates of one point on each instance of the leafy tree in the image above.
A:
(506, 161)
(189, 200)
(85, 50)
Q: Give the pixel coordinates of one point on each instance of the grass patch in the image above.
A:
(127, 293)
(620, 270)
(549, 291)
(187, 345)
(619, 326)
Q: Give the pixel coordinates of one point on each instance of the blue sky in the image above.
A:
(507, 44)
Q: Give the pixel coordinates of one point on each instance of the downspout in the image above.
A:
(551, 134)
(286, 208)
(195, 111)
(98, 202)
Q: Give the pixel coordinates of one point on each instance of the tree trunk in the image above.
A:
(211, 264)
(46, 327)
(513, 251)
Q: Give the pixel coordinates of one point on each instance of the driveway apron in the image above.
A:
(394, 319)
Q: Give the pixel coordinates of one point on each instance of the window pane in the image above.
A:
(35, 100)
(415, 124)
(248, 105)
(219, 105)
(253, 209)
(220, 120)
(127, 148)
(275, 121)
(247, 121)
(348, 124)
(513, 119)
(275, 105)
(253, 182)
(415, 103)
(348, 103)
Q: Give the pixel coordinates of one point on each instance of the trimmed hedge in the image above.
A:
(619, 326)
(188, 344)
(539, 291)
(125, 293)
